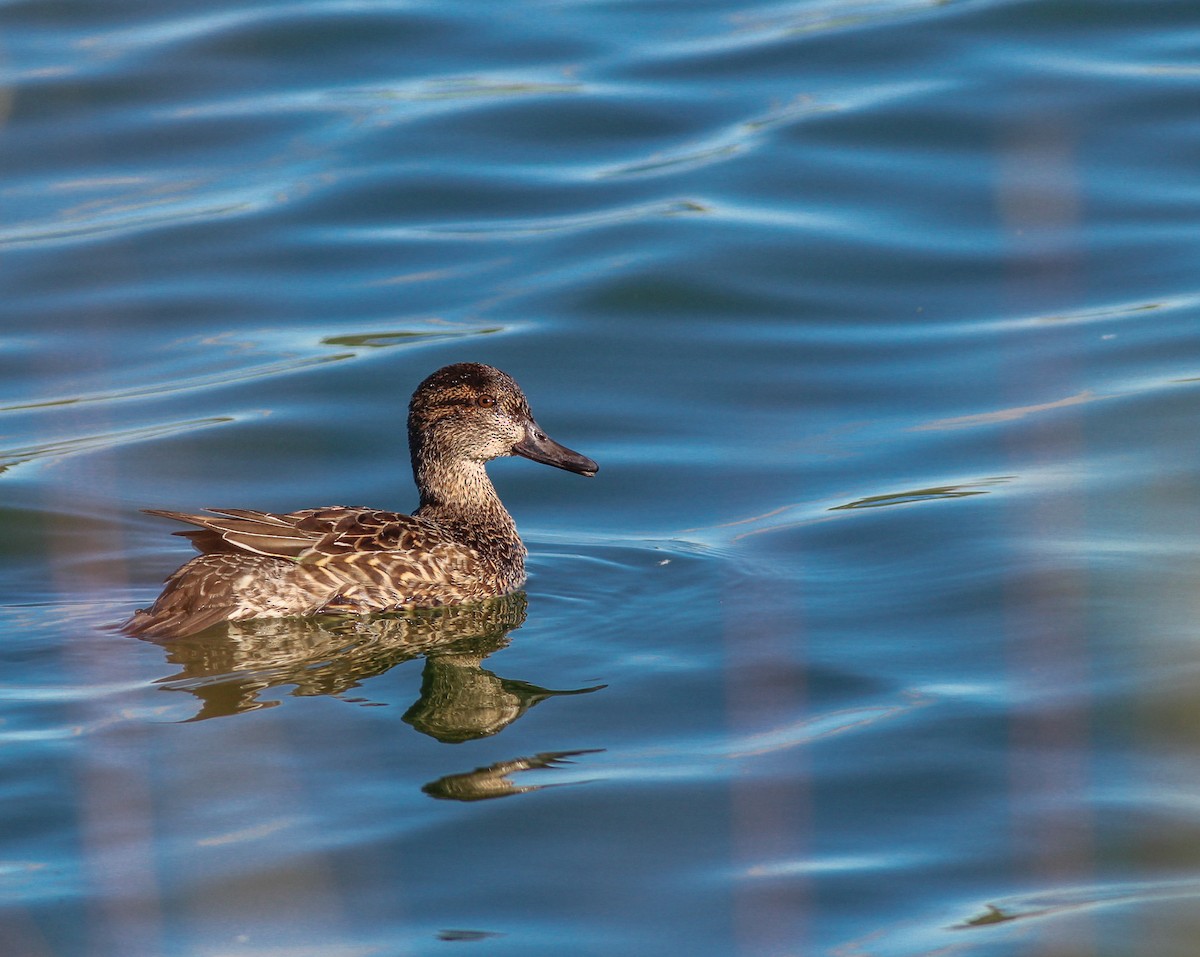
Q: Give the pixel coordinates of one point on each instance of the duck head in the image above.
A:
(473, 412)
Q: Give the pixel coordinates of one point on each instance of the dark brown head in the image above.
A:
(469, 411)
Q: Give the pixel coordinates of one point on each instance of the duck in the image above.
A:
(460, 545)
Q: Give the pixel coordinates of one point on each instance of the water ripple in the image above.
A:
(90, 443)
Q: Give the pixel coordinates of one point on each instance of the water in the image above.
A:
(875, 633)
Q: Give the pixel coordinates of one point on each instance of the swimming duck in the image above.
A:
(460, 545)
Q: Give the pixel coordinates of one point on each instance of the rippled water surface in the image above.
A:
(876, 633)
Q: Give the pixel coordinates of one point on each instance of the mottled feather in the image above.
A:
(460, 545)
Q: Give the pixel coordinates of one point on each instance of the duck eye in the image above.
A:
(485, 401)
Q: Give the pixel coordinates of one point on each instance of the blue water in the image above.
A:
(876, 632)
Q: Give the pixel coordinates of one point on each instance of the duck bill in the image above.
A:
(539, 447)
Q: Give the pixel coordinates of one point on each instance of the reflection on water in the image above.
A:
(1067, 901)
(493, 780)
(17, 456)
(460, 701)
(467, 935)
(229, 666)
(384, 340)
(994, 915)
(909, 496)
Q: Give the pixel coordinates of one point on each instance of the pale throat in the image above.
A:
(461, 498)
(461, 486)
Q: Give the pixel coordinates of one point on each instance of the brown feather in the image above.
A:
(461, 545)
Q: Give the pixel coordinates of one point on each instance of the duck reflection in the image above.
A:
(228, 667)
(460, 701)
(493, 781)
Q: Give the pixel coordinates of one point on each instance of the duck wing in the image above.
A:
(310, 534)
(335, 560)
(354, 531)
(223, 530)
(362, 581)
(377, 561)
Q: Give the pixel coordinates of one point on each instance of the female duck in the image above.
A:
(460, 545)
